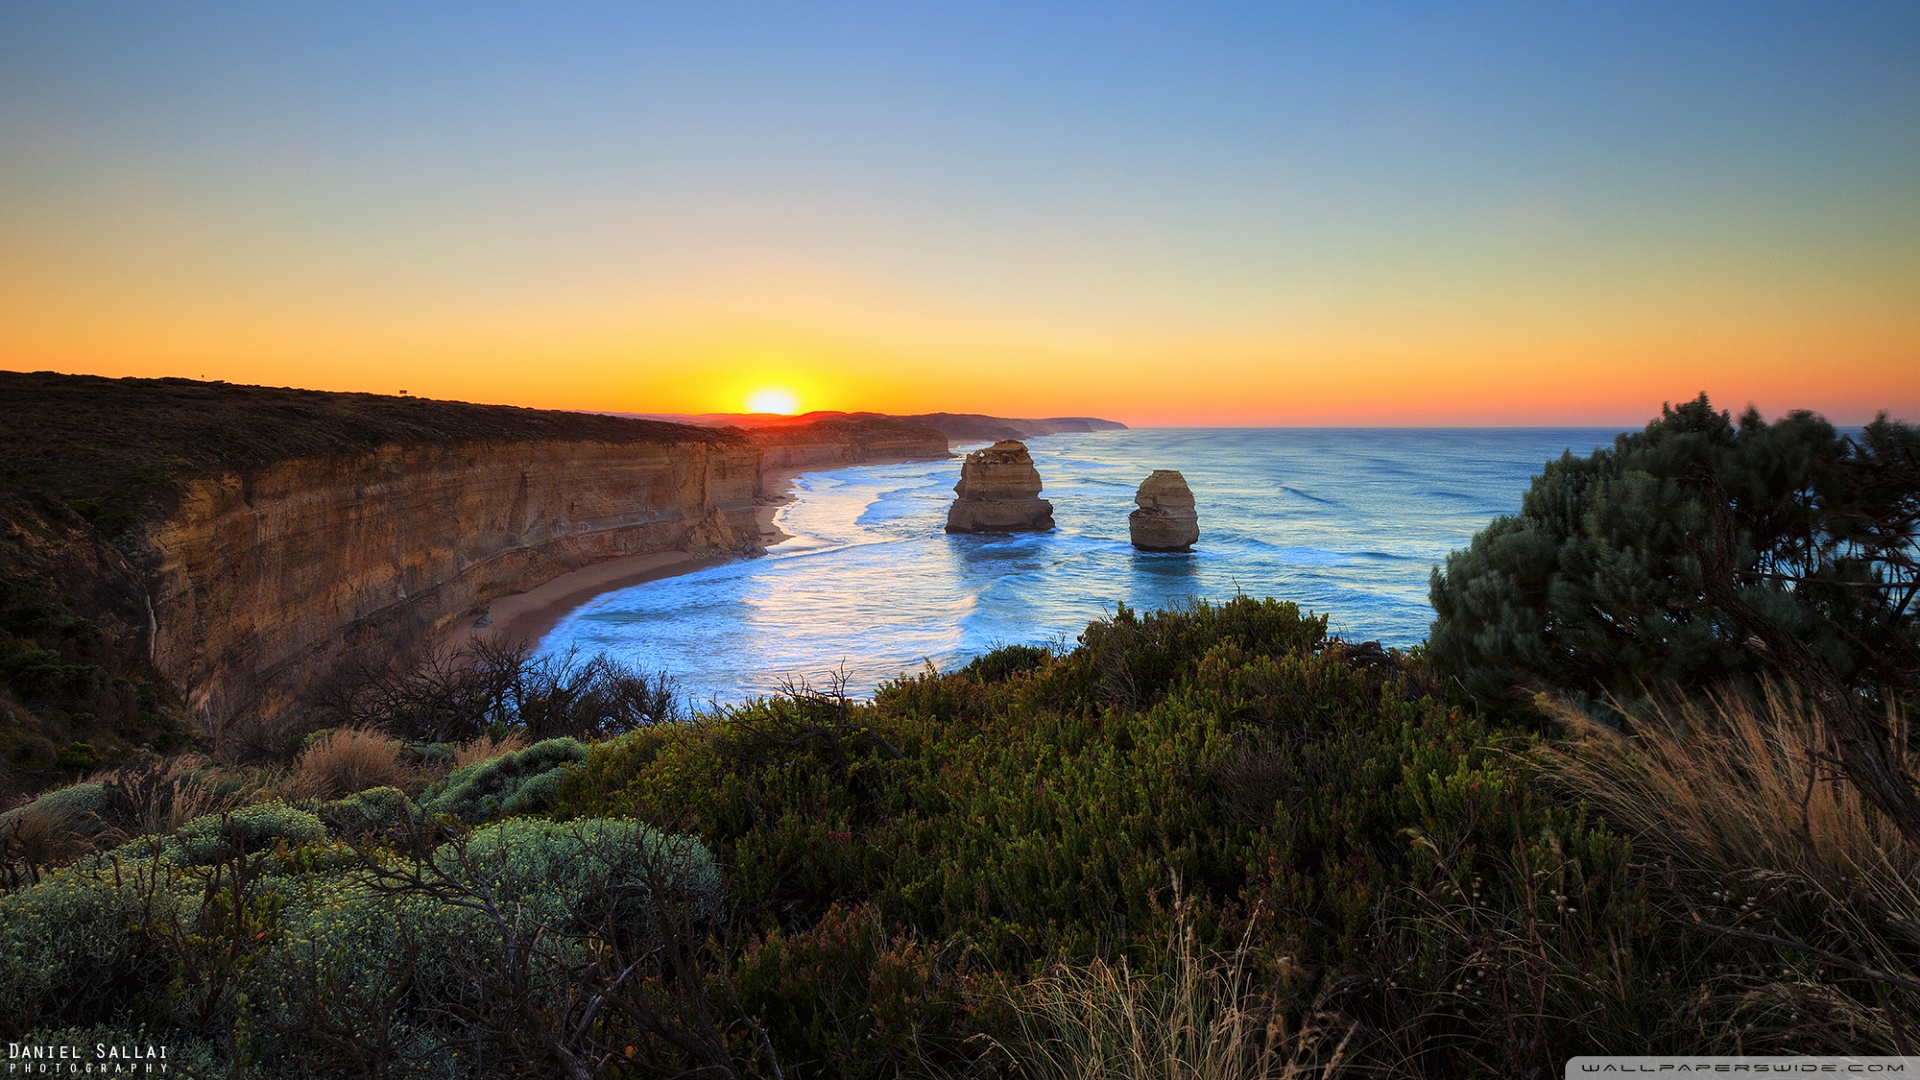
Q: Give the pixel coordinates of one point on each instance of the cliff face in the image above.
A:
(268, 584)
(832, 441)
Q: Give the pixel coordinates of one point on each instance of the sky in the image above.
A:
(1165, 214)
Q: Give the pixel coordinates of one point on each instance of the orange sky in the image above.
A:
(1424, 219)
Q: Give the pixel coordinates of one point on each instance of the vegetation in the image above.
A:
(115, 450)
(1209, 842)
(1701, 555)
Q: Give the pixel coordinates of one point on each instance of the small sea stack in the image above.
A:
(1166, 520)
(999, 491)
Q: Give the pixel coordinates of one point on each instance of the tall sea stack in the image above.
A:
(999, 491)
(1166, 520)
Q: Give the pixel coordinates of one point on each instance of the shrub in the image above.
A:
(345, 760)
(375, 810)
(50, 830)
(1676, 556)
(209, 839)
(1696, 555)
(486, 688)
(80, 808)
(513, 783)
(1005, 662)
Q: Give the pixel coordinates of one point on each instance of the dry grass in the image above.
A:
(1735, 785)
(345, 761)
(157, 799)
(1199, 1018)
(38, 836)
(1742, 803)
(483, 747)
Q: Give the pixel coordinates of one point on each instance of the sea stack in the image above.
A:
(999, 491)
(1166, 520)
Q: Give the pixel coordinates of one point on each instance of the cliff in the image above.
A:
(955, 427)
(277, 540)
(833, 440)
(268, 584)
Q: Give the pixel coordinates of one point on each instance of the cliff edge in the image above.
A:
(256, 545)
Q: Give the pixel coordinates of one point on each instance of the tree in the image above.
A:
(1699, 554)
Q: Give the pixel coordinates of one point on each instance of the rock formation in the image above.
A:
(1166, 520)
(999, 491)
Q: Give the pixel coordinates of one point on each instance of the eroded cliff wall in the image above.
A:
(270, 584)
(824, 444)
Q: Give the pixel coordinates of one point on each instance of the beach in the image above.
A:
(528, 616)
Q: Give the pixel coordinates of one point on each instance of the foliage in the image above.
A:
(513, 783)
(998, 828)
(1666, 559)
(1001, 664)
(375, 810)
(278, 944)
(1206, 841)
(493, 689)
(206, 840)
(1698, 555)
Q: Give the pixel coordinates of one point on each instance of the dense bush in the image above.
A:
(1679, 554)
(1702, 556)
(489, 688)
(282, 946)
(956, 832)
(1216, 816)
(518, 782)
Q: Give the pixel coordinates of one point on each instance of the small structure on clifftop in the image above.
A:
(1166, 520)
(999, 491)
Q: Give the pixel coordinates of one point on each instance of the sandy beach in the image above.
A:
(528, 616)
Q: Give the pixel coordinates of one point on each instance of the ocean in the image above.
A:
(1344, 522)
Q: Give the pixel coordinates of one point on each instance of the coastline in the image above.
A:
(529, 616)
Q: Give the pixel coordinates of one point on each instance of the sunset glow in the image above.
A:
(1268, 215)
(773, 400)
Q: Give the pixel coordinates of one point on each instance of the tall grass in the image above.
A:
(1766, 845)
(345, 761)
(1197, 1018)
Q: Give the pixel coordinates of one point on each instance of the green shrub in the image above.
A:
(1687, 555)
(1005, 662)
(515, 783)
(82, 807)
(380, 809)
(206, 840)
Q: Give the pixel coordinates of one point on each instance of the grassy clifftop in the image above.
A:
(113, 448)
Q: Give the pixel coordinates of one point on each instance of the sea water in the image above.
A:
(1348, 523)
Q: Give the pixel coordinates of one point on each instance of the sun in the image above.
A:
(772, 399)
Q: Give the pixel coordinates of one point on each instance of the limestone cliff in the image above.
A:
(831, 441)
(264, 542)
(999, 491)
(268, 584)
